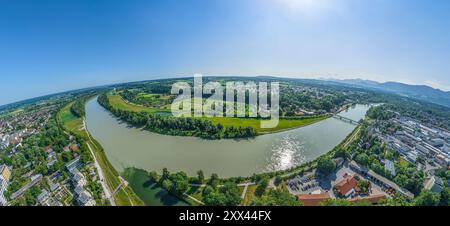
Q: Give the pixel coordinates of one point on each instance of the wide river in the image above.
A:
(131, 147)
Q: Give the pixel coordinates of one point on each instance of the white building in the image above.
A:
(79, 181)
(389, 166)
(5, 175)
(443, 160)
(446, 148)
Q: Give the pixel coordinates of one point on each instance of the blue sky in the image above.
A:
(48, 46)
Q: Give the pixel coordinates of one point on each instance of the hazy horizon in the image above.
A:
(186, 76)
(55, 46)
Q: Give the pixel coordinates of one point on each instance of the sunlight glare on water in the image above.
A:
(287, 154)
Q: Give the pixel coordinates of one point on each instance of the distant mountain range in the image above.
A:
(420, 92)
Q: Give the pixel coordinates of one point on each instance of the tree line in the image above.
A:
(77, 108)
(177, 126)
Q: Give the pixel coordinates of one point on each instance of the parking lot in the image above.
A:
(310, 182)
(304, 184)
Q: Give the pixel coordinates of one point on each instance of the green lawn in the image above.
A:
(70, 122)
(152, 96)
(284, 124)
(117, 102)
(403, 163)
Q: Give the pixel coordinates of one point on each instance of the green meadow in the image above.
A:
(284, 124)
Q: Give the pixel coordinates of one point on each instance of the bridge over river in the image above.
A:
(132, 147)
(345, 119)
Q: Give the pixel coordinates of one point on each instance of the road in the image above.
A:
(239, 185)
(99, 170)
(244, 192)
(102, 178)
(272, 183)
(195, 200)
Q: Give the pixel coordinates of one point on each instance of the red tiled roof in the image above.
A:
(372, 198)
(346, 185)
(74, 147)
(314, 199)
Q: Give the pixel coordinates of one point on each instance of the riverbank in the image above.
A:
(154, 194)
(76, 126)
(117, 136)
(265, 153)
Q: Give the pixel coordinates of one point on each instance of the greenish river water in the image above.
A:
(150, 193)
(126, 146)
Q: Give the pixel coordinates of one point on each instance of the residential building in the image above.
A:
(379, 180)
(5, 172)
(43, 196)
(374, 199)
(79, 181)
(86, 199)
(346, 187)
(5, 175)
(437, 142)
(442, 160)
(313, 199)
(434, 184)
(74, 164)
(389, 166)
(34, 180)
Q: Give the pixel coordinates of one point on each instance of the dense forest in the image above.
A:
(178, 126)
